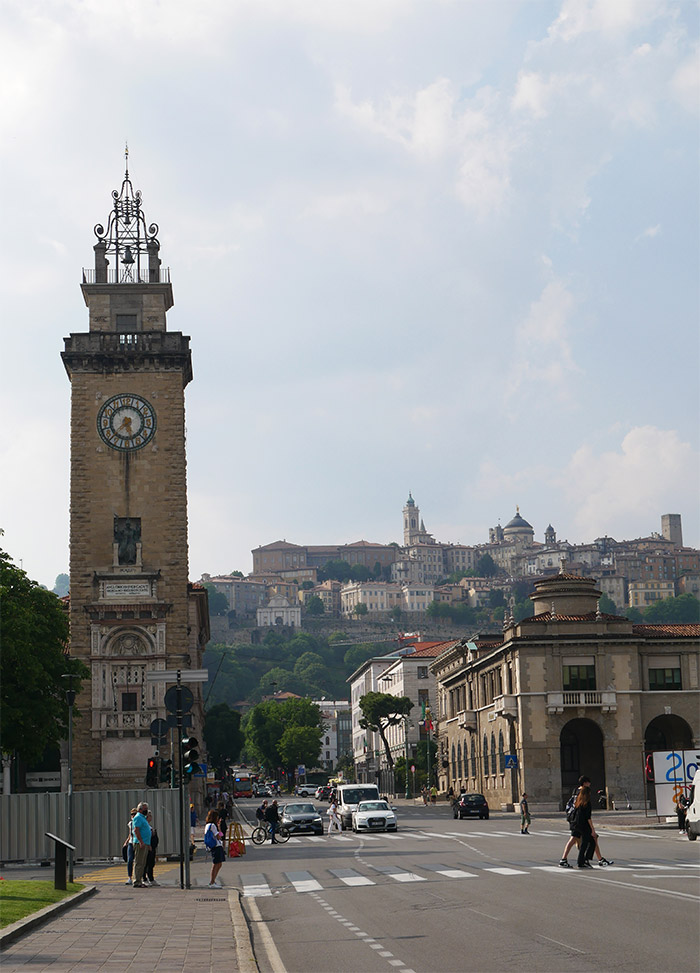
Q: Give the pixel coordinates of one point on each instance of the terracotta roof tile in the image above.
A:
(686, 630)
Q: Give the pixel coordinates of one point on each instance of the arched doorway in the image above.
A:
(581, 752)
(667, 732)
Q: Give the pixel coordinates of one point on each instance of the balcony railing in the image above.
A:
(139, 722)
(605, 701)
(123, 276)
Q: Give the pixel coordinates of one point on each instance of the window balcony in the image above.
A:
(606, 702)
(466, 719)
(504, 706)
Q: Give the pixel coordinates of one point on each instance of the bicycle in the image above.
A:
(262, 832)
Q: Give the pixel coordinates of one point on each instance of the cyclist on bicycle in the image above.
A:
(272, 817)
(260, 812)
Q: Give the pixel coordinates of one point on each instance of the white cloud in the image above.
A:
(609, 17)
(649, 233)
(543, 361)
(685, 83)
(652, 471)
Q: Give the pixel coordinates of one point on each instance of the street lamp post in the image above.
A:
(70, 699)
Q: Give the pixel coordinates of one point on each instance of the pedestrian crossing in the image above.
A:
(465, 834)
(258, 885)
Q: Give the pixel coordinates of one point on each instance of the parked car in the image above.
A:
(301, 817)
(471, 805)
(374, 816)
(692, 815)
(305, 790)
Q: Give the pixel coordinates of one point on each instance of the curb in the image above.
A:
(22, 926)
(245, 954)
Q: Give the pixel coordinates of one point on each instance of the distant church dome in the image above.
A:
(410, 502)
(517, 525)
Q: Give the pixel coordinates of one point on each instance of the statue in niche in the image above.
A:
(127, 534)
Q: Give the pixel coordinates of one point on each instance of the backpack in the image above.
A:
(210, 838)
(570, 809)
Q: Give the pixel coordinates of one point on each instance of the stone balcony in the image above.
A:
(466, 719)
(605, 701)
(504, 706)
(123, 724)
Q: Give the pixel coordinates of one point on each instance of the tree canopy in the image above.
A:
(222, 734)
(265, 728)
(34, 625)
(382, 710)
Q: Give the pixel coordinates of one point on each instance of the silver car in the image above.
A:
(301, 817)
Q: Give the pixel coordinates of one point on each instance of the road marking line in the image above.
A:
(454, 873)
(305, 882)
(505, 871)
(646, 888)
(274, 958)
(565, 945)
(406, 877)
(255, 885)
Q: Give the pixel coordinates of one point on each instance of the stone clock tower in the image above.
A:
(131, 608)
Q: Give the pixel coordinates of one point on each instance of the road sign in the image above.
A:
(170, 675)
(511, 761)
(301, 770)
(187, 699)
(159, 731)
(413, 768)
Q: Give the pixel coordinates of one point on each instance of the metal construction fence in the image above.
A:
(99, 823)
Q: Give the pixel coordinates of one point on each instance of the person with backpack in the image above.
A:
(272, 817)
(260, 812)
(573, 840)
(212, 841)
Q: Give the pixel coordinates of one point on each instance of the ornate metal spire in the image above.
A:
(127, 238)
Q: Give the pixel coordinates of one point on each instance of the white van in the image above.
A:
(349, 796)
(692, 814)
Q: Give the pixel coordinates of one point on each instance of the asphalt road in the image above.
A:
(446, 895)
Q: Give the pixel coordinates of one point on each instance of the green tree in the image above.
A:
(266, 723)
(62, 585)
(396, 614)
(299, 745)
(315, 606)
(218, 602)
(357, 654)
(673, 611)
(236, 574)
(222, 734)
(382, 710)
(358, 572)
(607, 605)
(34, 626)
(360, 609)
(486, 567)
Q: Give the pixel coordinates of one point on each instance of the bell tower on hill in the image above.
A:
(130, 608)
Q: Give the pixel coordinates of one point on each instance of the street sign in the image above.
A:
(301, 770)
(186, 721)
(413, 768)
(170, 675)
(511, 761)
(159, 731)
(187, 699)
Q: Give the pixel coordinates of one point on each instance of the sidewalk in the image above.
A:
(157, 930)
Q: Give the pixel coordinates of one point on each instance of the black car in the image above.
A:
(471, 805)
(301, 817)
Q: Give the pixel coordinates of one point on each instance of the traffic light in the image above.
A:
(152, 772)
(166, 771)
(190, 756)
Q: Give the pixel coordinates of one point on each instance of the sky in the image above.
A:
(441, 247)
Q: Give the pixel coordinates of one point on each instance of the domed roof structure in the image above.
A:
(518, 522)
(410, 502)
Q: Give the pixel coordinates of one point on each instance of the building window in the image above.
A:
(486, 754)
(579, 678)
(129, 702)
(493, 754)
(473, 758)
(664, 679)
(422, 672)
(459, 761)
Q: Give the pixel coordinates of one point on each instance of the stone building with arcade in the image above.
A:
(565, 692)
(132, 608)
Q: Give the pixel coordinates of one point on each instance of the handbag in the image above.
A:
(125, 853)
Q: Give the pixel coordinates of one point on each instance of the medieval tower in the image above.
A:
(131, 608)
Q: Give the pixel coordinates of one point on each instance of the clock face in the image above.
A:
(126, 422)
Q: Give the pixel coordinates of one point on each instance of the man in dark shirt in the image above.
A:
(272, 816)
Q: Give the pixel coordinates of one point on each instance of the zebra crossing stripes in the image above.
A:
(398, 874)
(505, 871)
(447, 870)
(350, 877)
(255, 885)
(304, 881)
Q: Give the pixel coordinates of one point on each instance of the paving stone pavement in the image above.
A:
(158, 930)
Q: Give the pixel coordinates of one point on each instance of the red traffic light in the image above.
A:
(151, 763)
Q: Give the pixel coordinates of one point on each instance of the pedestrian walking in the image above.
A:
(260, 812)
(223, 815)
(564, 861)
(128, 847)
(424, 794)
(524, 815)
(213, 842)
(141, 842)
(682, 804)
(272, 817)
(433, 794)
(582, 825)
(334, 823)
(148, 876)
